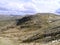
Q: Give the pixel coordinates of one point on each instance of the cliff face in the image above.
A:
(43, 27)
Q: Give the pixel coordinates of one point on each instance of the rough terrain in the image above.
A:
(38, 29)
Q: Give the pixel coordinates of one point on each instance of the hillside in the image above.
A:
(38, 28)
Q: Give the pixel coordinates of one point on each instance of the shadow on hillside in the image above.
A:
(23, 20)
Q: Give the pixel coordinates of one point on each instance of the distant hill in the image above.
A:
(9, 17)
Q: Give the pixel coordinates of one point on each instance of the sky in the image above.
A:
(21, 7)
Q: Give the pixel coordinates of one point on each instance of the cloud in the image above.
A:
(28, 6)
(46, 5)
(3, 9)
(57, 11)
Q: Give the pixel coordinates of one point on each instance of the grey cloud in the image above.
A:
(3, 9)
(57, 11)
